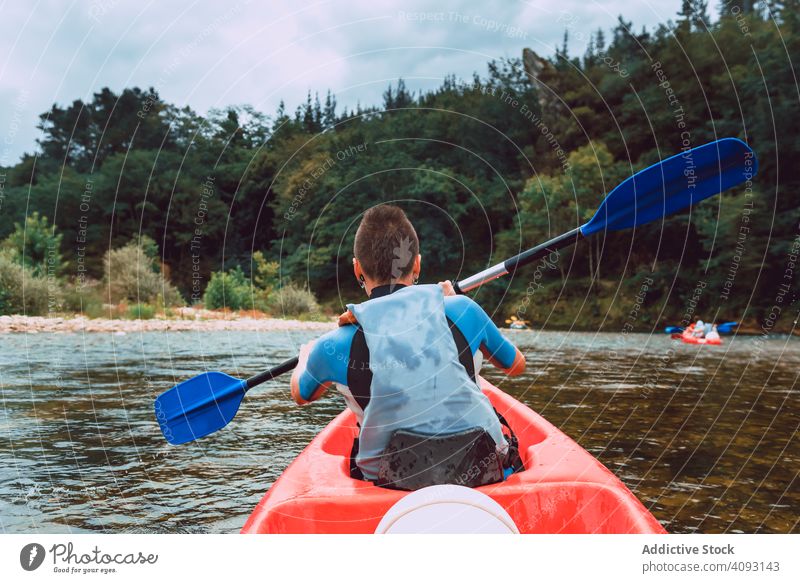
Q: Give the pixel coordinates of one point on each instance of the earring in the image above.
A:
(361, 282)
(416, 280)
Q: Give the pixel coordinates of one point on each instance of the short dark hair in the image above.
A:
(386, 244)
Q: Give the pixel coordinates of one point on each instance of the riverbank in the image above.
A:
(187, 319)
(194, 319)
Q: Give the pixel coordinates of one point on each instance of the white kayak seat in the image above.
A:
(446, 509)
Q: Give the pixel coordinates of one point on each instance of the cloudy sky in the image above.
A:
(209, 53)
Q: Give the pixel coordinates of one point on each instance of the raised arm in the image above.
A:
(483, 335)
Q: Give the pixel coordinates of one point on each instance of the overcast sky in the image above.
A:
(210, 53)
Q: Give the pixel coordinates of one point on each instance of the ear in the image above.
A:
(357, 269)
(417, 266)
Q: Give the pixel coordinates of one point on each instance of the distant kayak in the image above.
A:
(515, 323)
(562, 489)
(724, 328)
(689, 339)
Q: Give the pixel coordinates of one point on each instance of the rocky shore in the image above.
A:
(186, 320)
(192, 319)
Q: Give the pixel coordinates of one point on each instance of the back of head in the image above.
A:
(386, 244)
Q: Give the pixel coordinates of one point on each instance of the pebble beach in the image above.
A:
(187, 319)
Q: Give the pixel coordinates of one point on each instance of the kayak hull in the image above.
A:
(563, 489)
(686, 339)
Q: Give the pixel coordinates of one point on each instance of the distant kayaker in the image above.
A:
(713, 335)
(404, 359)
(699, 329)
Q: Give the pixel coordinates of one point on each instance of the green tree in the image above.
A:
(36, 245)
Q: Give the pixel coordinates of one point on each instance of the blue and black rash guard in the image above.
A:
(342, 357)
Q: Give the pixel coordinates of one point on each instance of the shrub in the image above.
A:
(96, 310)
(292, 300)
(265, 273)
(36, 246)
(22, 292)
(234, 291)
(84, 299)
(5, 301)
(133, 274)
(265, 280)
(229, 290)
(140, 312)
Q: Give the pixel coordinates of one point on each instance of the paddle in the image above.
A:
(209, 401)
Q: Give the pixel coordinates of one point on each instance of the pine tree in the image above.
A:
(600, 41)
(693, 15)
(329, 112)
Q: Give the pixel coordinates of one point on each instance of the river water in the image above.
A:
(707, 437)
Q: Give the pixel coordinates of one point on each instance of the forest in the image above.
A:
(484, 167)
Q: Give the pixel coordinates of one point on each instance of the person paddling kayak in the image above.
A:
(404, 362)
(699, 329)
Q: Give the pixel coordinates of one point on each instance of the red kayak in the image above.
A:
(563, 489)
(689, 339)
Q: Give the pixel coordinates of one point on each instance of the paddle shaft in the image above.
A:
(270, 374)
(525, 258)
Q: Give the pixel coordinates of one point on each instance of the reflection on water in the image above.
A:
(705, 436)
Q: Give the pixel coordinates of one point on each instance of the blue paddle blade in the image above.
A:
(673, 330)
(199, 406)
(727, 327)
(674, 184)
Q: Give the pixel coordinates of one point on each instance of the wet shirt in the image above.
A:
(408, 364)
